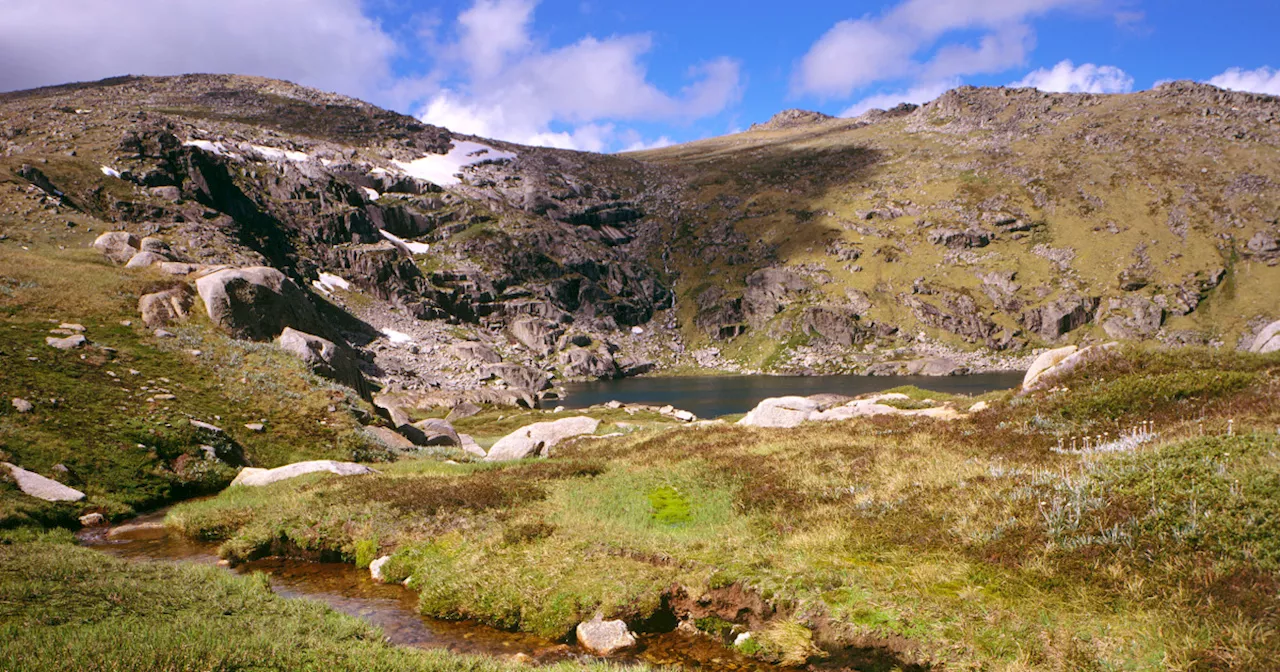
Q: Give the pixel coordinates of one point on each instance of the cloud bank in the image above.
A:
(1066, 77)
(1262, 80)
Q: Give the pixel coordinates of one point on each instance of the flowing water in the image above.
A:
(393, 608)
(713, 396)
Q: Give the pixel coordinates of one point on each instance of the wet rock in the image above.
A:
(256, 303)
(539, 438)
(324, 357)
(68, 343)
(118, 246)
(22, 405)
(604, 638)
(93, 520)
(375, 568)
(38, 486)
(253, 477)
(780, 412)
(1267, 340)
(166, 308)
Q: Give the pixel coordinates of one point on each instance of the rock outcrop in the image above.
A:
(324, 357)
(35, 485)
(256, 303)
(539, 438)
(163, 309)
(118, 246)
(254, 477)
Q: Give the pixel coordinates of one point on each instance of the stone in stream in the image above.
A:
(250, 476)
(35, 485)
(604, 638)
(540, 437)
(92, 520)
(375, 568)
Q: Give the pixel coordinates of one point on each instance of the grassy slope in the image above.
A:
(1123, 166)
(68, 608)
(91, 411)
(970, 543)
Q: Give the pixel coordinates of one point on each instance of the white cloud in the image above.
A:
(328, 44)
(1065, 77)
(514, 90)
(918, 95)
(858, 52)
(1262, 80)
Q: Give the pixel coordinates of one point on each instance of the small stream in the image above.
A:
(393, 608)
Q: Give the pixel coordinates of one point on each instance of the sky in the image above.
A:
(615, 76)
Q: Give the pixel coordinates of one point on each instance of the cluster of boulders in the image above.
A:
(786, 412)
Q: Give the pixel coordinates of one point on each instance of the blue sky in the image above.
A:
(607, 76)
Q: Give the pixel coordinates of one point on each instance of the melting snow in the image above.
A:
(274, 154)
(211, 147)
(397, 336)
(110, 172)
(329, 282)
(443, 169)
(371, 193)
(414, 248)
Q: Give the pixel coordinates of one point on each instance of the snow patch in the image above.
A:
(443, 169)
(397, 336)
(110, 172)
(274, 154)
(371, 193)
(211, 147)
(329, 282)
(414, 248)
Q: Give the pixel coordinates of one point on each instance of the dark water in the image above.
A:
(713, 396)
(393, 608)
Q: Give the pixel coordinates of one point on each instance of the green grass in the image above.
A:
(69, 608)
(970, 544)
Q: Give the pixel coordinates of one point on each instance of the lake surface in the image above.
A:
(713, 396)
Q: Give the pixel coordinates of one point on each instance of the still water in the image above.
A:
(713, 396)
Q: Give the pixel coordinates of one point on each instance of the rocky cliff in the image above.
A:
(974, 229)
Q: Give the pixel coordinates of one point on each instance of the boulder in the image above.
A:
(780, 412)
(375, 568)
(584, 363)
(522, 378)
(1056, 318)
(463, 409)
(536, 334)
(1267, 340)
(474, 352)
(69, 343)
(1068, 365)
(604, 638)
(93, 520)
(1132, 317)
(256, 303)
(390, 438)
(250, 476)
(1046, 361)
(539, 438)
(38, 486)
(324, 357)
(178, 268)
(162, 309)
(155, 246)
(437, 432)
(22, 405)
(145, 259)
(118, 246)
(935, 366)
(469, 445)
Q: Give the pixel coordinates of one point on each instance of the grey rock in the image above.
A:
(475, 352)
(935, 366)
(118, 246)
(166, 308)
(539, 438)
(1044, 362)
(68, 343)
(145, 259)
(178, 268)
(155, 246)
(1267, 340)
(437, 432)
(256, 303)
(536, 334)
(391, 438)
(604, 638)
(780, 412)
(1059, 317)
(324, 357)
(464, 409)
(38, 486)
(1132, 317)
(470, 446)
(584, 363)
(253, 477)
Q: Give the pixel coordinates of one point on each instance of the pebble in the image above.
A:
(22, 405)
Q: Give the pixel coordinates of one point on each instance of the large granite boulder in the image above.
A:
(1132, 317)
(434, 432)
(118, 246)
(324, 357)
(1046, 361)
(1267, 340)
(256, 303)
(250, 476)
(144, 259)
(1055, 319)
(162, 309)
(780, 412)
(540, 437)
(35, 485)
(1067, 365)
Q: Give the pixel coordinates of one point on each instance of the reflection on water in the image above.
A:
(713, 396)
(393, 608)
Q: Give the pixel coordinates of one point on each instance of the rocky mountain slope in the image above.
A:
(963, 234)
